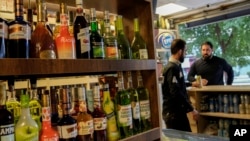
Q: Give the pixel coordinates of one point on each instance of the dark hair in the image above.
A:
(176, 45)
(207, 43)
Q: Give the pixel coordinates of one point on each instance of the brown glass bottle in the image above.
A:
(54, 108)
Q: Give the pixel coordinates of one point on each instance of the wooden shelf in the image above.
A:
(219, 88)
(226, 115)
(149, 135)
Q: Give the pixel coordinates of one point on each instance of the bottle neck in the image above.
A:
(25, 112)
(19, 10)
(11, 96)
(82, 106)
(94, 26)
(120, 82)
(64, 30)
(46, 117)
(106, 94)
(139, 81)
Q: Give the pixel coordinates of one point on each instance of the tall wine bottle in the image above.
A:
(144, 103)
(6, 117)
(123, 43)
(19, 34)
(81, 33)
(123, 109)
(138, 45)
(3, 37)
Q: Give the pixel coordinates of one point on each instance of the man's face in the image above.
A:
(206, 52)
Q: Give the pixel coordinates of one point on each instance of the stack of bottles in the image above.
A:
(71, 112)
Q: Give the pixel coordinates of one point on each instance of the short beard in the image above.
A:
(206, 58)
(181, 59)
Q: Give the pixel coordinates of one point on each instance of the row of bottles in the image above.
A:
(19, 40)
(63, 112)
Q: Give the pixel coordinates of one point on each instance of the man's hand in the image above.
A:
(195, 114)
(196, 84)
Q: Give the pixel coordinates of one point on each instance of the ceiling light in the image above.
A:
(169, 9)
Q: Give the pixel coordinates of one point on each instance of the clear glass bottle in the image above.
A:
(6, 117)
(47, 133)
(96, 40)
(123, 109)
(19, 34)
(138, 45)
(3, 37)
(81, 33)
(26, 128)
(122, 41)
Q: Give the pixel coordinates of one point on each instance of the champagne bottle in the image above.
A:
(85, 121)
(3, 37)
(19, 34)
(138, 45)
(6, 117)
(96, 40)
(26, 128)
(47, 132)
(66, 126)
(42, 42)
(123, 43)
(134, 104)
(110, 41)
(123, 109)
(81, 33)
(109, 109)
(144, 103)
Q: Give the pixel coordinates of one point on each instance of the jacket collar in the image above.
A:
(173, 60)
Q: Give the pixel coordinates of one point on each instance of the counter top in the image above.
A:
(220, 88)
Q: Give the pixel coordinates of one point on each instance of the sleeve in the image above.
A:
(230, 73)
(192, 72)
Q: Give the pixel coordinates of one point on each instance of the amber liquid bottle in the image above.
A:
(19, 34)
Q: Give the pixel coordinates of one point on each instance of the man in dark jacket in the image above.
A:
(176, 103)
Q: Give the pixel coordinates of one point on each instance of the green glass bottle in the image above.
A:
(134, 98)
(138, 45)
(144, 103)
(123, 109)
(96, 40)
(124, 48)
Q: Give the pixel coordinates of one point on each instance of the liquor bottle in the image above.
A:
(109, 109)
(47, 133)
(134, 98)
(144, 103)
(54, 106)
(123, 43)
(29, 16)
(35, 104)
(12, 104)
(110, 41)
(56, 29)
(3, 37)
(6, 117)
(65, 43)
(138, 45)
(85, 121)
(100, 119)
(81, 33)
(26, 128)
(96, 40)
(67, 125)
(75, 101)
(71, 23)
(42, 43)
(19, 34)
(123, 109)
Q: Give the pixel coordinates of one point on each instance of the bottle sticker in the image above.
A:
(67, 131)
(46, 114)
(125, 115)
(143, 53)
(100, 123)
(18, 31)
(3, 30)
(85, 128)
(111, 52)
(65, 47)
(83, 36)
(145, 109)
(98, 50)
(136, 110)
(7, 132)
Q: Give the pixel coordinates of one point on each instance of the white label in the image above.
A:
(3, 30)
(136, 110)
(125, 115)
(7, 132)
(18, 31)
(100, 123)
(67, 131)
(85, 128)
(145, 109)
(83, 36)
(143, 53)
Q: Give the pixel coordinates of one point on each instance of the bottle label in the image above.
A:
(85, 128)
(111, 52)
(67, 131)
(145, 109)
(18, 31)
(125, 115)
(98, 50)
(135, 110)
(100, 123)
(3, 30)
(83, 36)
(65, 47)
(7, 132)
(46, 114)
(143, 53)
